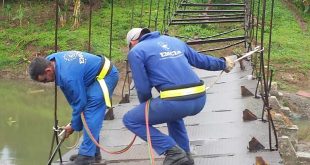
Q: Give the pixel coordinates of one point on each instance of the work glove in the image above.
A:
(229, 64)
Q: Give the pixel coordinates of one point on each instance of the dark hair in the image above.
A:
(37, 67)
(144, 31)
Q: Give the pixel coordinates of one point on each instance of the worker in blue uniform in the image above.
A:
(87, 82)
(165, 63)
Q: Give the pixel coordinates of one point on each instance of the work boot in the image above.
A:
(98, 157)
(82, 160)
(190, 158)
(175, 156)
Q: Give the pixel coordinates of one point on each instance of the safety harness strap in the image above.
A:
(100, 78)
(183, 92)
(106, 67)
(105, 92)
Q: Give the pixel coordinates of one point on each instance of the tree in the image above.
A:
(63, 10)
(76, 14)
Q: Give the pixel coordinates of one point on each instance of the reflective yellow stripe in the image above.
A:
(105, 92)
(103, 85)
(183, 91)
(104, 69)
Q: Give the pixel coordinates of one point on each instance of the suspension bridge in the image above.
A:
(228, 130)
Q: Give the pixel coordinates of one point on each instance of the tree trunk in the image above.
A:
(63, 12)
(76, 14)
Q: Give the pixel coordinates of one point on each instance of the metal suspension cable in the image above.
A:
(262, 55)
(169, 13)
(206, 22)
(209, 15)
(265, 97)
(256, 38)
(252, 21)
(236, 38)
(257, 20)
(270, 35)
(224, 47)
(213, 5)
(174, 6)
(124, 98)
(245, 19)
(208, 37)
(132, 13)
(210, 11)
(150, 13)
(207, 18)
(156, 16)
(141, 14)
(55, 134)
(163, 30)
(111, 29)
(269, 77)
(90, 23)
(250, 24)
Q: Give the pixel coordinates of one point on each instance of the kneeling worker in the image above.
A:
(166, 63)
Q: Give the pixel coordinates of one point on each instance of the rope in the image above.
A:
(148, 135)
(75, 143)
(149, 142)
(98, 145)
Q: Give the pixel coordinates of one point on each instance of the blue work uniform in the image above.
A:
(165, 62)
(76, 74)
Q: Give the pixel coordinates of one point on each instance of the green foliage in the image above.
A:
(304, 5)
(8, 11)
(289, 42)
(19, 15)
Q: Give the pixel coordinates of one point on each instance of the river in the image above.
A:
(26, 121)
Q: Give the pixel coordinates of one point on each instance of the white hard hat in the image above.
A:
(134, 34)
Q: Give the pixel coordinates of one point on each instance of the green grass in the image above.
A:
(36, 35)
(290, 45)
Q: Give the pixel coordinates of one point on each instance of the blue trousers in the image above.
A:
(164, 111)
(94, 112)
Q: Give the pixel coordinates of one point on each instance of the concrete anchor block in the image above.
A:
(286, 111)
(248, 115)
(292, 132)
(303, 158)
(246, 92)
(255, 145)
(277, 117)
(274, 103)
(287, 151)
(274, 89)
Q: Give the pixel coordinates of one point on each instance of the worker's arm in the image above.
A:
(74, 91)
(203, 61)
(140, 77)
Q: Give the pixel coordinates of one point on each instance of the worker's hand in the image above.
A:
(229, 64)
(68, 130)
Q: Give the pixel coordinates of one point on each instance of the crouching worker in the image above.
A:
(166, 63)
(87, 82)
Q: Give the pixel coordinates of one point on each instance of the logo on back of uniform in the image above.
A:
(72, 55)
(164, 45)
(167, 53)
